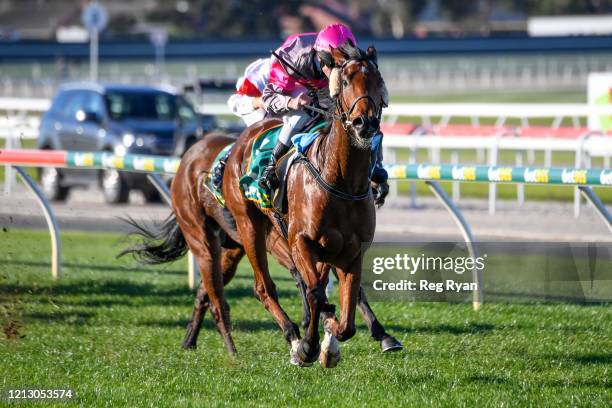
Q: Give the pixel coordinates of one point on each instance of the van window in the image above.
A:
(59, 102)
(140, 105)
(75, 102)
(185, 111)
(94, 104)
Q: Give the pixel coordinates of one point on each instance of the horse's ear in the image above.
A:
(372, 54)
(338, 56)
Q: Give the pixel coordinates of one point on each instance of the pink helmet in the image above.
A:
(333, 36)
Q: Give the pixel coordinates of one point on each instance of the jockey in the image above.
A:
(246, 102)
(298, 71)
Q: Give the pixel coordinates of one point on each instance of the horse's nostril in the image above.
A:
(358, 123)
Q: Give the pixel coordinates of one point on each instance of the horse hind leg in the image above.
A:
(387, 342)
(230, 257)
(193, 327)
(205, 245)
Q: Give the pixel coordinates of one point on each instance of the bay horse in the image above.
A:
(330, 221)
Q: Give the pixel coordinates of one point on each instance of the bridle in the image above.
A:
(342, 115)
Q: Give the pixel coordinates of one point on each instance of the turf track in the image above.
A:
(111, 331)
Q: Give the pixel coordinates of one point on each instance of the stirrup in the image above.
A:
(268, 179)
(268, 182)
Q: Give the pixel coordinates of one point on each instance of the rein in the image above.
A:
(301, 158)
(343, 115)
(342, 118)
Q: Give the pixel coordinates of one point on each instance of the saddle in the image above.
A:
(261, 153)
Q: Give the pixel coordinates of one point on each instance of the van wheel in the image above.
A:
(114, 187)
(50, 180)
(151, 195)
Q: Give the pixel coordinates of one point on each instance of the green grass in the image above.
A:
(111, 330)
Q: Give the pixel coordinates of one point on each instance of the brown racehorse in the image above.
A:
(330, 219)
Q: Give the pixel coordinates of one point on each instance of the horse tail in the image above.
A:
(159, 245)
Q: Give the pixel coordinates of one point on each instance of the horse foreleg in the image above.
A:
(377, 331)
(299, 282)
(349, 280)
(229, 262)
(251, 227)
(305, 258)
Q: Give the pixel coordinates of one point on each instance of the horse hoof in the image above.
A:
(189, 342)
(306, 355)
(330, 351)
(389, 343)
(294, 359)
(329, 360)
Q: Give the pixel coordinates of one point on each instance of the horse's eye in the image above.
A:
(344, 83)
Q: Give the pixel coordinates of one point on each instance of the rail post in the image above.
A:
(56, 244)
(520, 188)
(580, 152)
(466, 231)
(599, 206)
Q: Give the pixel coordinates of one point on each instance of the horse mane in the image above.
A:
(352, 52)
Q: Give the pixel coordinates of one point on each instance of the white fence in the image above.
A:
(26, 111)
(21, 120)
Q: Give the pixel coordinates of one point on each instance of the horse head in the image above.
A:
(358, 89)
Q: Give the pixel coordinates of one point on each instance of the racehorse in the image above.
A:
(330, 220)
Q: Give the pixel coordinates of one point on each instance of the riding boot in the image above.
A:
(268, 179)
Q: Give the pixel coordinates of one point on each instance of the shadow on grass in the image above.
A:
(100, 268)
(207, 324)
(108, 293)
(471, 328)
(543, 298)
(593, 358)
(487, 379)
(82, 318)
(118, 268)
(68, 317)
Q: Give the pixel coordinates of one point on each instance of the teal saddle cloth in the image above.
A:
(261, 153)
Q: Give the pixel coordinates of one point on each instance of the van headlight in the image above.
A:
(120, 150)
(128, 139)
